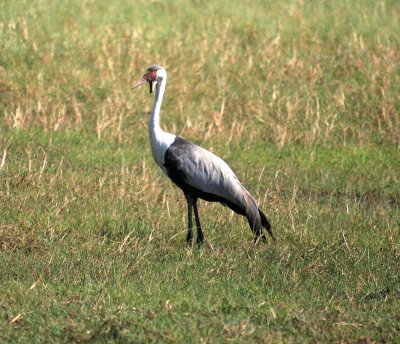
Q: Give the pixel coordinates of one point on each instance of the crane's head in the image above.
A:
(155, 74)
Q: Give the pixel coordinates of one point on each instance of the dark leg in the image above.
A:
(200, 236)
(189, 237)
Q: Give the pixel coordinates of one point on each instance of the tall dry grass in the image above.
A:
(281, 73)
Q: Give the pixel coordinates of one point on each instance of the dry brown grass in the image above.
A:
(227, 78)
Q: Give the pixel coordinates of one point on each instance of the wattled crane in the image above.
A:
(196, 171)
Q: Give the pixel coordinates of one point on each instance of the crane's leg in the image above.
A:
(189, 237)
(200, 236)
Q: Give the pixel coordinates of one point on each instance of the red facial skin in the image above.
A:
(151, 76)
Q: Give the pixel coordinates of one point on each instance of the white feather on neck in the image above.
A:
(159, 139)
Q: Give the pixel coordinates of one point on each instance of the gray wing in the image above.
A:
(205, 171)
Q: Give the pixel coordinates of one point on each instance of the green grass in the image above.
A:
(300, 98)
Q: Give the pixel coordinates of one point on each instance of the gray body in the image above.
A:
(202, 174)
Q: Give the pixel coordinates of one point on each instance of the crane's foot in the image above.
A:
(189, 237)
(200, 241)
(259, 238)
(200, 236)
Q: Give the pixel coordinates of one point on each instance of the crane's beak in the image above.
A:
(142, 81)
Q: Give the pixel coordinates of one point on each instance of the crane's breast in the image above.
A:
(160, 142)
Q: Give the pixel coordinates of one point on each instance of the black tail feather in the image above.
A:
(265, 223)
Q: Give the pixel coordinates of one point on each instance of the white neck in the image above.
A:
(159, 139)
(154, 124)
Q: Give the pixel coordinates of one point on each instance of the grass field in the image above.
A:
(301, 98)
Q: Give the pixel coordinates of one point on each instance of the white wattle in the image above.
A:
(159, 139)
